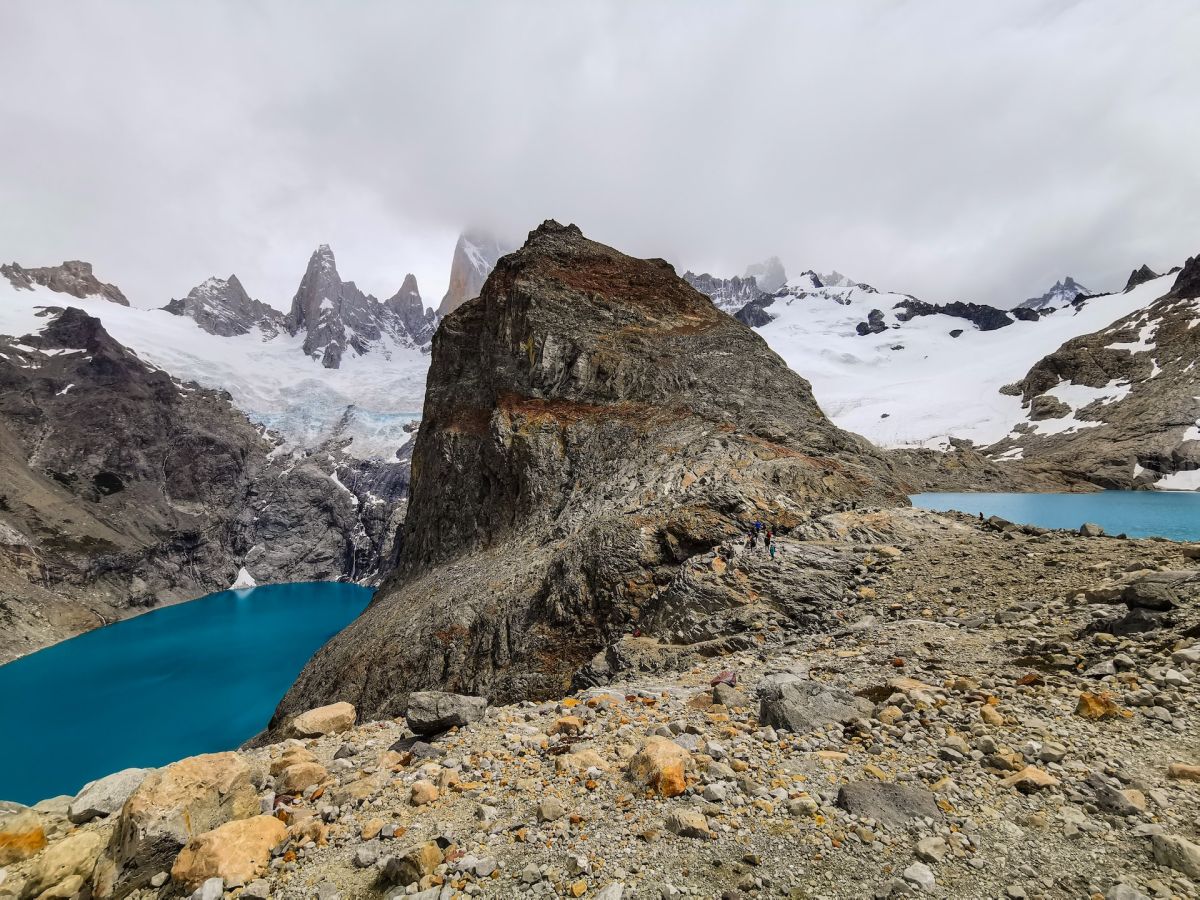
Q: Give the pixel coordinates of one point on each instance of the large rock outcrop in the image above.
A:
(592, 424)
(73, 277)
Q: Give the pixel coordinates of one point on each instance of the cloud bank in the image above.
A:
(941, 148)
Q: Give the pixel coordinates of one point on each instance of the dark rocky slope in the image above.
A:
(593, 428)
(121, 488)
(1120, 407)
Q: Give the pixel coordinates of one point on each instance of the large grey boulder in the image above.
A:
(801, 705)
(105, 796)
(432, 711)
(895, 805)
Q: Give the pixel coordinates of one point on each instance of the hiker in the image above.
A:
(771, 548)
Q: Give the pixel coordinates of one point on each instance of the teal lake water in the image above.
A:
(191, 678)
(1169, 514)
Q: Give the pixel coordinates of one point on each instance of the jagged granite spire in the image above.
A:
(475, 256)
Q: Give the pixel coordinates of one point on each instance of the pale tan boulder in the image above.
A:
(173, 805)
(65, 863)
(332, 719)
(237, 852)
(296, 778)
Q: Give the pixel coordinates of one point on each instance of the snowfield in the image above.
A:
(914, 385)
(369, 399)
(911, 385)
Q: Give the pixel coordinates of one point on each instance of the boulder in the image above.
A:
(1090, 529)
(432, 711)
(1177, 853)
(895, 805)
(801, 705)
(412, 865)
(173, 805)
(21, 833)
(689, 822)
(332, 719)
(299, 776)
(105, 796)
(67, 862)
(237, 852)
(661, 765)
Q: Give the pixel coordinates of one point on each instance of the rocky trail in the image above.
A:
(987, 711)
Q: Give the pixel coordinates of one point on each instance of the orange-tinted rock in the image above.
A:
(237, 852)
(661, 765)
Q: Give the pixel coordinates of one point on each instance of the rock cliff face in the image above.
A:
(592, 426)
(729, 294)
(335, 316)
(222, 306)
(1120, 407)
(475, 256)
(72, 277)
(121, 488)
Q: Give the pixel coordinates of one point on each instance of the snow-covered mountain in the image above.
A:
(222, 306)
(906, 373)
(1063, 293)
(475, 255)
(336, 317)
(274, 367)
(1120, 405)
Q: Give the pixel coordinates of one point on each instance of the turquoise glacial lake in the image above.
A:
(1169, 514)
(192, 678)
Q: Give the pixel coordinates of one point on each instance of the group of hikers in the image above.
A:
(758, 531)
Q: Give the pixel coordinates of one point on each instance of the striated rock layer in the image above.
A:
(592, 424)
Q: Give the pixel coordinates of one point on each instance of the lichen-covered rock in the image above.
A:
(21, 833)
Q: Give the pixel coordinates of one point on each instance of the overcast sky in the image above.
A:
(948, 149)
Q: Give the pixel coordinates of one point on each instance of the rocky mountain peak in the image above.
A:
(73, 277)
(592, 423)
(769, 274)
(475, 255)
(222, 306)
(729, 294)
(1139, 276)
(336, 316)
(406, 304)
(1063, 293)
(1187, 282)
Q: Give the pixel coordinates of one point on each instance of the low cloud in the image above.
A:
(940, 148)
